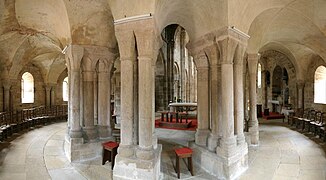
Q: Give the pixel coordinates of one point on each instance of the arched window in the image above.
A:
(27, 83)
(320, 85)
(259, 76)
(65, 89)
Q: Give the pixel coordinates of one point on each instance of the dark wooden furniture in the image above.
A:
(110, 150)
(183, 153)
(183, 115)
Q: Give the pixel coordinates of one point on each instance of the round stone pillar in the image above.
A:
(238, 95)
(253, 122)
(6, 88)
(202, 106)
(88, 104)
(145, 107)
(127, 107)
(75, 130)
(104, 101)
(300, 88)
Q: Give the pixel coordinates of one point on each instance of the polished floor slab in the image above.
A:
(283, 153)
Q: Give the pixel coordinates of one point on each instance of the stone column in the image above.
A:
(127, 103)
(253, 122)
(145, 107)
(104, 100)
(228, 140)
(52, 98)
(182, 65)
(74, 55)
(47, 89)
(202, 106)
(88, 100)
(215, 107)
(96, 101)
(6, 101)
(300, 87)
(238, 94)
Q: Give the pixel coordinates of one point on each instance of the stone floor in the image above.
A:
(283, 154)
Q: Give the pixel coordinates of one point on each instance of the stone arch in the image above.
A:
(272, 59)
(309, 85)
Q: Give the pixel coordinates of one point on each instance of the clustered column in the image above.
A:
(74, 55)
(253, 122)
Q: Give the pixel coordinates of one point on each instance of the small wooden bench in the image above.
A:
(110, 150)
(183, 153)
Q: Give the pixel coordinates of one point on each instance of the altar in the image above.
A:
(179, 107)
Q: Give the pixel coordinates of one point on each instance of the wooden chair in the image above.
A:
(300, 119)
(293, 117)
(317, 122)
(321, 126)
(183, 153)
(110, 150)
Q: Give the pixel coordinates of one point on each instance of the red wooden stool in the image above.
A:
(110, 150)
(183, 153)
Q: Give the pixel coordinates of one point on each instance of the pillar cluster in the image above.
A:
(138, 144)
(89, 118)
(220, 141)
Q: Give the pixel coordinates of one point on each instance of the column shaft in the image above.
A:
(202, 106)
(145, 102)
(127, 101)
(88, 104)
(104, 104)
(300, 87)
(6, 97)
(75, 131)
(253, 122)
(238, 102)
(227, 101)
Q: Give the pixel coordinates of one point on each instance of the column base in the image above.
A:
(201, 137)
(136, 168)
(75, 133)
(241, 139)
(227, 147)
(91, 133)
(219, 165)
(254, 135)
(212, 142)
(104, 132)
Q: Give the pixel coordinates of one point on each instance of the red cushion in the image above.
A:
(183, 151)
(110, 144)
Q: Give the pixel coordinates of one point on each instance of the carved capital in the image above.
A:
(201, 60)
(227, 48)
(74, 55)
(300, 84)
(253, 62)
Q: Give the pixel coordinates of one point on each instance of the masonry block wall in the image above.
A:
(39, 91)
(309, 85)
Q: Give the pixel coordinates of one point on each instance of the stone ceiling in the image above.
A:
(36, 31)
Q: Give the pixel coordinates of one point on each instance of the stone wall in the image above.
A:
(39, 91)
(58, 90)
(309, 86)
